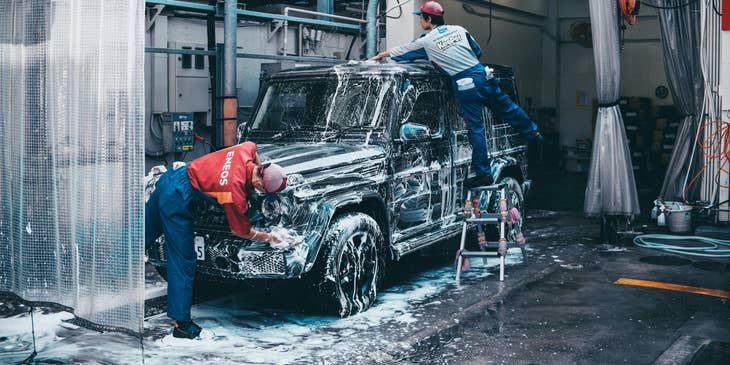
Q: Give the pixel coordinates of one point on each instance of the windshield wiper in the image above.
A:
(282, 134)
(339, 132)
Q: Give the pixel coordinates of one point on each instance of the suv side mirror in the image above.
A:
(414, 132)
(240, 130)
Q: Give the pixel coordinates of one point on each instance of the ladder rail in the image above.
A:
(499, 218)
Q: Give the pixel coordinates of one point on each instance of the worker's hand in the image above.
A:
(273, 239)
(276, 242)
(380, 56)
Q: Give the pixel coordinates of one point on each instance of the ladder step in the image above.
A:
(485, 218)
(496, 244)
(488, 188)
(478, 254)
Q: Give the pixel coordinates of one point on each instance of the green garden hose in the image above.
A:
(712, 247)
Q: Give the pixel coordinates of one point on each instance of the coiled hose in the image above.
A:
(712, 247)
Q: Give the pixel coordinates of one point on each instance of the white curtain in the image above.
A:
(71, 156)
(611, 187)
(680, 30)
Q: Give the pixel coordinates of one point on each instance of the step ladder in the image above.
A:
(501, 218)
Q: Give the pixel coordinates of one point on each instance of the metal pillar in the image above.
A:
(325, 6)
(371, 48)
(230, 96)
(212, 70)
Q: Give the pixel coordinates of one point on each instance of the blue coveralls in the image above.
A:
(454, 52)
(169, 210)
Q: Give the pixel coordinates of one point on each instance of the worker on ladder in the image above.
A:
(454, 52)
(224, 178)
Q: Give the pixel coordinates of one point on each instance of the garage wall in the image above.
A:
(642, 69)
(517, 41)
(252, 38)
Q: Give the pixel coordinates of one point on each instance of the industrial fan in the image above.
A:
(580, 32)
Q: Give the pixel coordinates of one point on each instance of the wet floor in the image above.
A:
(579, 316)
(562, 308)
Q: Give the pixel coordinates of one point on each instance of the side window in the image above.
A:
(423, 103)
(428, 111)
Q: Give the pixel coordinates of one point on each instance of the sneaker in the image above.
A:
(477, 181)
(186, 330)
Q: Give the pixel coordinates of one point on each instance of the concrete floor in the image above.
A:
(562, 307)
(579, 316)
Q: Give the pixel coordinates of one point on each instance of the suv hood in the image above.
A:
(318, 169)
(309, 159)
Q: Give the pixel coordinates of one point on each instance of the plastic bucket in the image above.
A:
(679, 217)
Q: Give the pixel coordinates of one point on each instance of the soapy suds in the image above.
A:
(237, 330)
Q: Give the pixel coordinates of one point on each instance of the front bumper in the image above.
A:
(241, 259)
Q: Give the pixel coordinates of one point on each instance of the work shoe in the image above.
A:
(477, 181)
(186, 330)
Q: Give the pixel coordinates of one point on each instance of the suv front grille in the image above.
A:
(262, 263)
(245, 263)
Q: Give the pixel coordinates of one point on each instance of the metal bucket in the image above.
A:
(679, 217)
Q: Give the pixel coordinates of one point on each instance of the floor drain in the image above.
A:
(711, 266)
(665, 260)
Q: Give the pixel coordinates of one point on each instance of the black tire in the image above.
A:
(515, 199)
(351, 266)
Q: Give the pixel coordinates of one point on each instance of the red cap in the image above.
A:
(430, 7)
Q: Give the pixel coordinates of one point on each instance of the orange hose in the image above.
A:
(716, 148)
(627, 7)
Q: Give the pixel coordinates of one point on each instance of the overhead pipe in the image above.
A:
(230, 96)
(187, 5)
(372, 27)
(257, 56)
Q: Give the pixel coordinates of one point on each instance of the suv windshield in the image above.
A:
(324, 104)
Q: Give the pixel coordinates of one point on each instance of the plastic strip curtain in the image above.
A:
(611, 187)
(680, 34)
(71, 157)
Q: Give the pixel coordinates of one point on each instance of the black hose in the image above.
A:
(352, 43)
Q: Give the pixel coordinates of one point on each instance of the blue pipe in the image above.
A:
(326, 6)
(372, 28)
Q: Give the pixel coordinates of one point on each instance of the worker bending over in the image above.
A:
(453, 51)
(225, 178)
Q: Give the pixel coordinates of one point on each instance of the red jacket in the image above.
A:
(225, 176)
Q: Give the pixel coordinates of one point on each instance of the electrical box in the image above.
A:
(181, 125)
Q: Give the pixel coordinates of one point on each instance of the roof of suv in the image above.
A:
(360, 68)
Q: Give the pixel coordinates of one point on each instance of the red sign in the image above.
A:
(725, 14)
